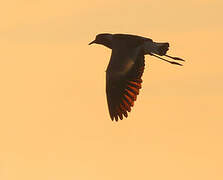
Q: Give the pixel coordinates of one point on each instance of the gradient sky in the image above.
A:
(54, 118)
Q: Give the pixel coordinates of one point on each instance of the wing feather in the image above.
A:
(122, 91)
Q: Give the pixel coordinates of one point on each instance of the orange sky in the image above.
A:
(54, 118)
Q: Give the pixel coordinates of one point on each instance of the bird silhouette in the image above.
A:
(126, 67)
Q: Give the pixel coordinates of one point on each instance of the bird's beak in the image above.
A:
(91, 42)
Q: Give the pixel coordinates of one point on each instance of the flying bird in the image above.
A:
(126, 67)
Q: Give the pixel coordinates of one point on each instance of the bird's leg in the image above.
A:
(171, 62)
(175, 58)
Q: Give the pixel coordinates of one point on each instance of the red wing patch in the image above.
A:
(122, 93)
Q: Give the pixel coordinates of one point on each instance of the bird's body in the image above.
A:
(125, 69)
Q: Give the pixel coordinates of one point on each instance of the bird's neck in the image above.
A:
(107, 44)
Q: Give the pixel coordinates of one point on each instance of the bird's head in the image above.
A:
(104, 39)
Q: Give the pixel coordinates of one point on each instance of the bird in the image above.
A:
(126, 66)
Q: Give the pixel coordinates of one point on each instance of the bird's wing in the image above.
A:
(123, 79)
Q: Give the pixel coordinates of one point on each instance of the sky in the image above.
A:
(54, 118)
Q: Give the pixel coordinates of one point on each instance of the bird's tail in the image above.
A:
(160, 49)
(156, 48)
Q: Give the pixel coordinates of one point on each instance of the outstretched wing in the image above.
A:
(123, 82)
